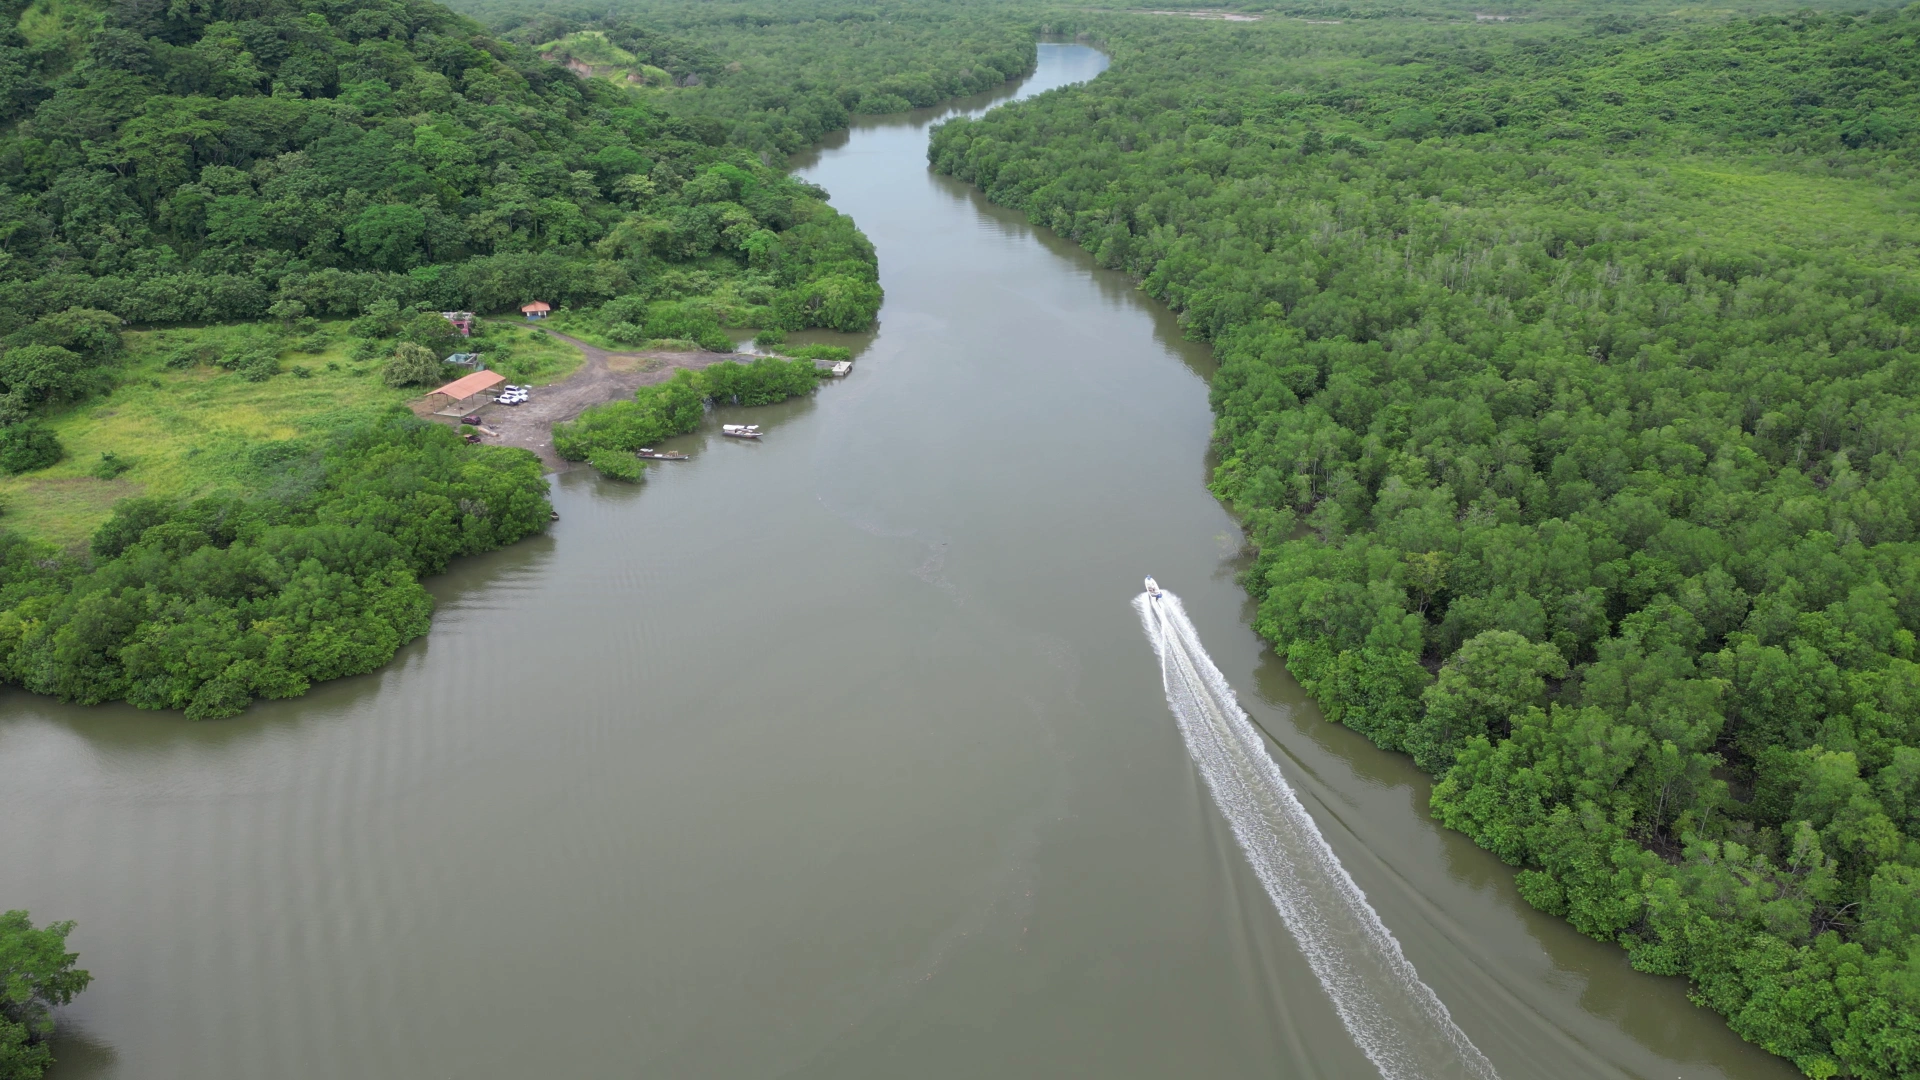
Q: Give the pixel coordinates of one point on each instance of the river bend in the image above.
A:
(836, 755)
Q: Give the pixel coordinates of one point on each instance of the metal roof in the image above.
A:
(467, 386)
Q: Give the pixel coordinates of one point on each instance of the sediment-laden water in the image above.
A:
(836, 755)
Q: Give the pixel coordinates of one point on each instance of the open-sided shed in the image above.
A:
(467, 392)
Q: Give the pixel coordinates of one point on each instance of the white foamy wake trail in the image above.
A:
(1396, 1019)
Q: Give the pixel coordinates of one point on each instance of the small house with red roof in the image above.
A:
(536, 310)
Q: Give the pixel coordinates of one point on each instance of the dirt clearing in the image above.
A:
(606, 376)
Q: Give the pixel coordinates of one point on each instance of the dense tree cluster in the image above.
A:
(606, 436)
(206, 604)
(51, 361)
(208, 162)
(777, 77)
(36, 973)
(1575, 445)
(381, 159)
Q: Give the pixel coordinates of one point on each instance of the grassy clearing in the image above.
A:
(523, 354)
(607, 60)
(587, 328)
(592, 47)
(195, 430)
(186, 432)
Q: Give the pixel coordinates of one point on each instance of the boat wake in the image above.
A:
(1396, 1019)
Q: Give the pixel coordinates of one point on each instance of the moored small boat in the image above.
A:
(659, 455)
(740, 431)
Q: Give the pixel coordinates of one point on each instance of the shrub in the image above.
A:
(259, 367)
(254, 361)
(431, 329)
(821, 352)
(695, 322)
(382, 320)
(618, 465)
(110, 465)
(763, 382)
(414, 365)
(42, 373)
(26, 447)
(90, 332)
(834, 302)
(627, 333)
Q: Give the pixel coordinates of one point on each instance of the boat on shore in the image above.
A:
(740, 431)
(659, 455)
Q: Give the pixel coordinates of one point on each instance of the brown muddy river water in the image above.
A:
(842, 755)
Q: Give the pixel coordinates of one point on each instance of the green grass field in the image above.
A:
(590, 46)
(613, 63)
(196, 431)
(524, 354)
(588, 329)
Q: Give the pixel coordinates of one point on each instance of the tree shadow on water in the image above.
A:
(121, 733)
(79, 1056)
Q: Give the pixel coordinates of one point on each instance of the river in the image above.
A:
(837, 755)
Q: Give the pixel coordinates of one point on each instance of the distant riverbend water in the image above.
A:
(836, 755)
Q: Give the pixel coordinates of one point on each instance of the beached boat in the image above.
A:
(660, 455)
(740, 431)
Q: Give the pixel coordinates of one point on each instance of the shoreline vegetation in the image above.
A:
(226, 232)
(212, 313)
(1567, 406)
(1569, 411)
(38, 972)
(777, 78)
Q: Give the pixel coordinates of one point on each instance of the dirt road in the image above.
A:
(606, 376)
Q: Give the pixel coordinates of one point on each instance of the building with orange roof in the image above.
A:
(467, 392)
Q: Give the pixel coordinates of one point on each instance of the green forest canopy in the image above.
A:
(1568, 382)
(205, 163)
(780, 76)
(246, 158)
(37, 973)
(1566, 377)
(232, 160)
(384, 159)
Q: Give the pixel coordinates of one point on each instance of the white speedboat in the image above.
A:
(1153, 589)
(740, 431)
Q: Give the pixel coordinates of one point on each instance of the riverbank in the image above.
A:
(1399, 371)
(945, 799)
